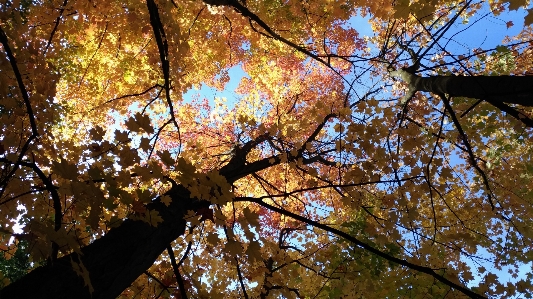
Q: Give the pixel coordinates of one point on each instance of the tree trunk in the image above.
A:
(494, 89)
(114, 261)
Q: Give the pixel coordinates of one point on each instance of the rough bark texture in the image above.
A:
(506, 89)
(496, 89)
(114, 261)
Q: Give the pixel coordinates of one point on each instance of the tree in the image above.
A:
(349, 166)
(16, 266)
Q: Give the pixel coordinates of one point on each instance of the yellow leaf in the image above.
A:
(401, 11)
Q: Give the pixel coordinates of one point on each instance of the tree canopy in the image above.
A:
(396, 164)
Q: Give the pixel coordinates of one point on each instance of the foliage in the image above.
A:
(392, 165)
(14, 267)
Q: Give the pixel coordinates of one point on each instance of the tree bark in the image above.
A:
(494, 89)
(114, 261)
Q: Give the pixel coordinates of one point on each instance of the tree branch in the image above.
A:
(371, 249)
(177, 273)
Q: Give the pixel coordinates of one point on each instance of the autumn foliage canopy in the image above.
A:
(331, 163)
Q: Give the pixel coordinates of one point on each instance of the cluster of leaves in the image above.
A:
(14, 267)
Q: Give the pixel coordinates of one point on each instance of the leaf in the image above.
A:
(402, 9)
(254, 251)
(80, 270)
(166, 157)
(252, 217)
(516, 4)
(144, 196)
(121, 136)
(185, 167)
(145, 144)
(212, 239)
(166, 200)
(233, 248)
(126, 198)
(132, 125)
(138, 207)
(528, 19)
(144, 122)
(97, 133)
(501, 49)
(65, 169)
(153, 218)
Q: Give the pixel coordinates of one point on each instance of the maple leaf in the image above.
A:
(166, 200)
(185, 167)
(94, 147)
(121, 136)
(145, 144)
(144, 122)
(251, 217)
(166, 157)
(233, 247)
(254, 251)
(153, 218)
(81, 270)
(65, 169)
(516, 4)
(528, 19)
(213, 239)
(97, 133)
(144, 196)
(402, 10)
(138, 207)
(132, 124)
(126, 197)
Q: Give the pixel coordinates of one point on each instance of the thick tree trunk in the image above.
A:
(494, 89)
(114, 261)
